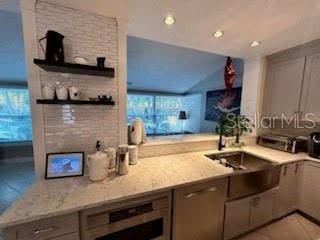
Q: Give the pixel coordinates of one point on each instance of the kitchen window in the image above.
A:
(158, 112)
(15, 117)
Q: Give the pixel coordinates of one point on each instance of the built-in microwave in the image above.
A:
(144, 220)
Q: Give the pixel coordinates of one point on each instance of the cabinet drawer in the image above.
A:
(44, 229)
(72, 236)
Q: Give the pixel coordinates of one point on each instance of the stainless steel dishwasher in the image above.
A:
(198, 211)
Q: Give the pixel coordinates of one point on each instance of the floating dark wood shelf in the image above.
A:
(74, 102)
(74, 68)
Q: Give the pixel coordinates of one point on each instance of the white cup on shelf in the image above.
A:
(61, 92)
(48, 92)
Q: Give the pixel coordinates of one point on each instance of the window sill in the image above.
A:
(174, 139)
(16, 143)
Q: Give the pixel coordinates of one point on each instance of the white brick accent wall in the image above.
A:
(78, 127)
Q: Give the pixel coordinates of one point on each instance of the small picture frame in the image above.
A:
(60, 165)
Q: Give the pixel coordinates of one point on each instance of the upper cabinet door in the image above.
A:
(284, 84)
(310, 97)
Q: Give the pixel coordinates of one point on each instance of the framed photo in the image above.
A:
(61, 165)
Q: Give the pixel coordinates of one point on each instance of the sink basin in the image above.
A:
(252, 174)
(240, 161)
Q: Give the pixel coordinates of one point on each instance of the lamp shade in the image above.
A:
(182, 115)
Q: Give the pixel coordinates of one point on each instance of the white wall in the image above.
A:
(252, 86)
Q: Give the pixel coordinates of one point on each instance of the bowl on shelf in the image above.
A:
(81, 60)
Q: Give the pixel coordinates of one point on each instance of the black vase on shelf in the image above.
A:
(100, 62)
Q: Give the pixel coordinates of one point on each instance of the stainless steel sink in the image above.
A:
(240, 161)
(251, 174)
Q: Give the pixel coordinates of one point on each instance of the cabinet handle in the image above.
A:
(43, 230)
(285, 169)
(256, 201)
(211, 189)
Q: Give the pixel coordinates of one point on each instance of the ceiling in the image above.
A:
(12, 63)
(159, 67)
(111, 8)
(278, 24)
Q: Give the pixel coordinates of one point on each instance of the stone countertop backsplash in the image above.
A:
(48, 198)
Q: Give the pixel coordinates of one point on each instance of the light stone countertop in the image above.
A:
(48, 198)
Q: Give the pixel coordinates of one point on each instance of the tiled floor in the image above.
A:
(15, 178)
(293, 227)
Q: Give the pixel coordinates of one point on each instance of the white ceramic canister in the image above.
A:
(133, 154)
(136, 131)
(98, 166)
(74, 93)
(112, 156)
(48, 92)
(62, 93)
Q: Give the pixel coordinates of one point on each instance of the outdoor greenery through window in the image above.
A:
(15, 118)
(159, 113)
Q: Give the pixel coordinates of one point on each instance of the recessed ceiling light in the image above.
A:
(255, 43)
(218, 34)
(169, 20)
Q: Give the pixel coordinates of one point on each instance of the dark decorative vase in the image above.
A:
(100, 62)
(54, 49)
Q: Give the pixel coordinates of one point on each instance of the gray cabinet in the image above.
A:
(289, 189)
(283, 87)
(262, 208)
(237, 217)
(248, 213)
(292, 82)
(72, 236)
(64, 227)
(310, 194)
(310, 96)
(198, 211)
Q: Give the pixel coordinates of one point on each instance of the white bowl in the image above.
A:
(80, 60)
